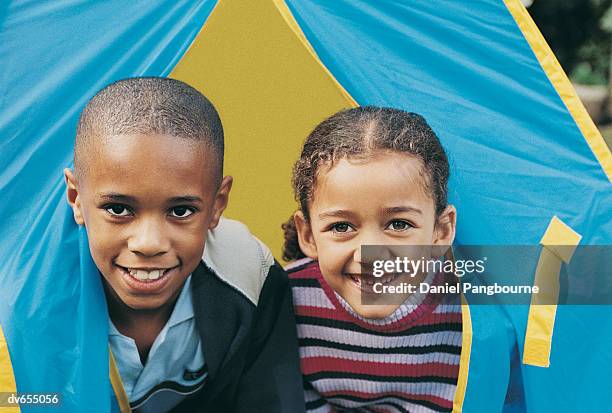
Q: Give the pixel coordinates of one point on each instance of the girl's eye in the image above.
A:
(341, 227)
(117, 210)
(181, 212)
(398, 225)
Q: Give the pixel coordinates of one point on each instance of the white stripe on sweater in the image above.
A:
(443, 390)
(311, 297)
(448, 308)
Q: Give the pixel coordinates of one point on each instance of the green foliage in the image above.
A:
(580, 33)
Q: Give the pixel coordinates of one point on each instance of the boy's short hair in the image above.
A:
(148, 105)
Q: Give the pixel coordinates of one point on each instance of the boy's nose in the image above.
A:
(149, 239)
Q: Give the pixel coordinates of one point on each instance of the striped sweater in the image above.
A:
(405, 362)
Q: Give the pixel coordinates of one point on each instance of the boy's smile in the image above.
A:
(147, 202)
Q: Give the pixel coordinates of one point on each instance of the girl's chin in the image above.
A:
(374, 311)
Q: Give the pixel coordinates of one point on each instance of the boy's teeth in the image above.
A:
(142, 275)
(146, 275)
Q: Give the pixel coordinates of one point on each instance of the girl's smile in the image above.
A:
(378, 200)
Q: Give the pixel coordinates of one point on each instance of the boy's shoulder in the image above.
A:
(238, 258)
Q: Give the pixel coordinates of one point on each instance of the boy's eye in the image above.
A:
(181, 212)
(399, 225)
(117, 210)
(341, 227)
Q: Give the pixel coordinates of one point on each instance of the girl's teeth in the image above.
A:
(369, 282)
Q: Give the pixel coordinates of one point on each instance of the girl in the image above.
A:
(371, 176)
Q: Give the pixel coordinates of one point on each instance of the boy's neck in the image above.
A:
(141, 325)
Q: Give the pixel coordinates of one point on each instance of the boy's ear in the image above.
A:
(221, 200)
(72, 194)
(444, 232)
(305, 238)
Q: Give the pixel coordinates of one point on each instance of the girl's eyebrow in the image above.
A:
(397, 209)
(335, 213)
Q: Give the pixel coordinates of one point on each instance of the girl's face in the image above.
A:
(381, 200)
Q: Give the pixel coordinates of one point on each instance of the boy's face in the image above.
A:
(147, 203)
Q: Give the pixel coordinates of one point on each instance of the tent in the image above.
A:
(528, 164)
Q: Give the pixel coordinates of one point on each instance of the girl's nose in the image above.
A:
(357, 254)
(371, 246)
(149, 239)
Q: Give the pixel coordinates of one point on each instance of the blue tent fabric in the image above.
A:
(55, 56)
(517, 157)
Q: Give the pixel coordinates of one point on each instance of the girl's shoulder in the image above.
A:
(297, 268)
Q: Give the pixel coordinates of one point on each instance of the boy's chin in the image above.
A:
(142, 303)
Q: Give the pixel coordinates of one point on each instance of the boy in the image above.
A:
(215, 334)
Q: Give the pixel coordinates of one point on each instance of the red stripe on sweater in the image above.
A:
(305, 273)
(333, 314)
(312, 365)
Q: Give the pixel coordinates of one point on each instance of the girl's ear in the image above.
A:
(444, 231)
(305, 238)
(72, 194)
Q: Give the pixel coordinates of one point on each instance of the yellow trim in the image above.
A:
(562, 85)
(541, 319)
(7, 377)
(284, 11)
(270, 93)
(115, 378)
(559, 242)
(464, 361)
(560, 239)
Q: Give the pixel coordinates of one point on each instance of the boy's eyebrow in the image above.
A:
(113, 196)
(185, 198)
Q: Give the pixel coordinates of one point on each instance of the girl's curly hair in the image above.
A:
(359, 132)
